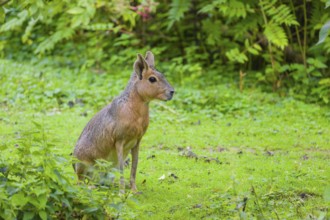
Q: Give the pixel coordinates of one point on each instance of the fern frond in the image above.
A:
(208, 7)
(279, 14)
(267, 5)
(50, 42)
(15, 22)
(213, 34)
(275, 34)
(233, 9)
(236, 56)
(317, 12)
(252, 49)
(282, 15)
(28, 30)
(250, 23)
(178, 8)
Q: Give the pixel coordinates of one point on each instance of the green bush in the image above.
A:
(273, 42)
(37, 182)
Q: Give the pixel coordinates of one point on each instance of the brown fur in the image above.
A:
(118, 128)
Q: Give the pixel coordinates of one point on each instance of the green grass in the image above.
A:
(272, 152)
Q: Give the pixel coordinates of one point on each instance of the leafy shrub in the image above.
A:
(201, 39)
(37, 182)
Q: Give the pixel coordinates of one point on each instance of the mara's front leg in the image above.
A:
(135, 159)
(120, 156)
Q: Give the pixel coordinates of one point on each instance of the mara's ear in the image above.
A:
(140, 65)
(150, 58)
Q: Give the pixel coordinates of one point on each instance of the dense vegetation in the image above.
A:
(267, 44)
(245, 137)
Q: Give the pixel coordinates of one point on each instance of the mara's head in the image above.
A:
(150, 83)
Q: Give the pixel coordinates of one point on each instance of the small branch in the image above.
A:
(298, 35)
(305, 35)
(241, 80)
(270, 50)
(257, 201)
(4, 2)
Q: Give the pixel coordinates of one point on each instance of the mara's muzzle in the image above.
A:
(170, 95)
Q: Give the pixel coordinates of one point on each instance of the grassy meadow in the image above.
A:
(210, 153)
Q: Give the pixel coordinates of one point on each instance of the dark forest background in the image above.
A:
(271, 45)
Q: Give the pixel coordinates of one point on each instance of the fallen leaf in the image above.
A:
(305, 157)
(174, 176)
(162, 177)
(151, 157)
(197, 206)
(221, 149)
(269, 153)
(190, 154)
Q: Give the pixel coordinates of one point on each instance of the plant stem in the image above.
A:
(241, 80)
(305, 35)
(269, 48)
(257, 201)
(298, 35)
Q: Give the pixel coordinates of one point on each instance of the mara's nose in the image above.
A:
(172, 92)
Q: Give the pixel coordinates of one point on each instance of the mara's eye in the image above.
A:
(152, 79)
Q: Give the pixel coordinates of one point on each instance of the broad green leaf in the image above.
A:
(43, 215)
(316, 63)
(257, 47)
(28, 215)
(19, 199)
(77, 20)
(252, 51)
(66, 202)
(40, 201)
(326, 194)
(319, 64)
(316, 73)
(324, 32)
(247, 43)
(91, 209)
(76, 10)
(325, 81)
(327, 4)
